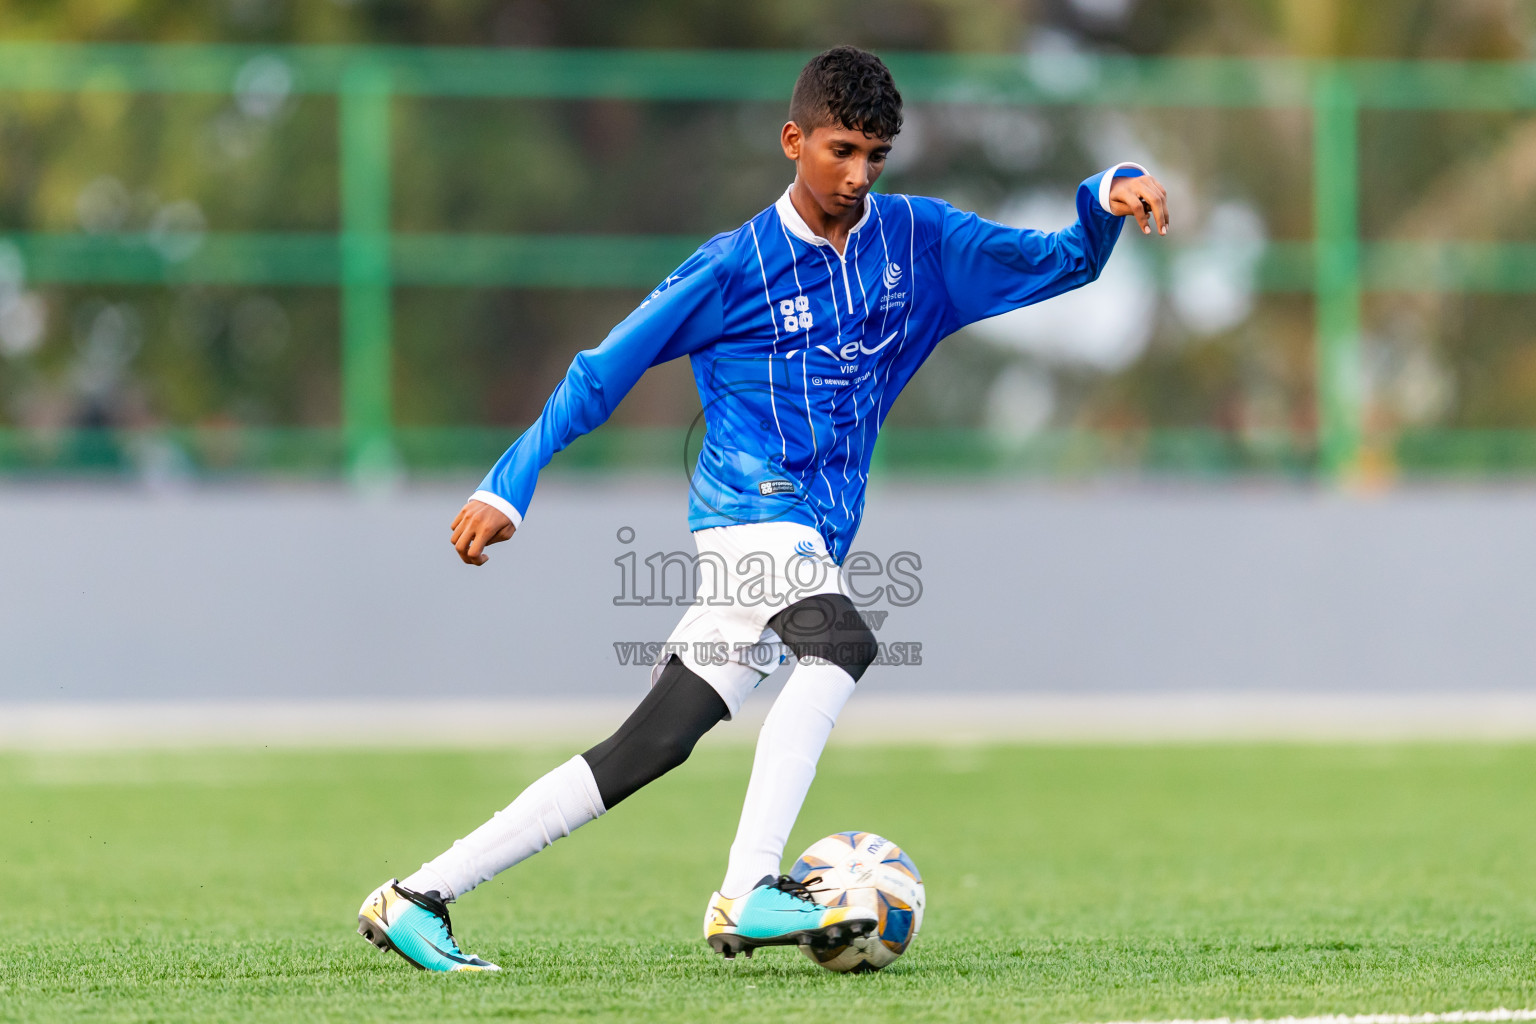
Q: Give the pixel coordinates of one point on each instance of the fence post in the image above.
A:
(1336, 213)
(366, 315)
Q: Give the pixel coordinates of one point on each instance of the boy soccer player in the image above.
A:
(802, 327)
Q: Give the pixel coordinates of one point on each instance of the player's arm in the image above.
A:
(990, 268)
(681, 316)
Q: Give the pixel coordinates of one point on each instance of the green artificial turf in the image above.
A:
(1064, 884)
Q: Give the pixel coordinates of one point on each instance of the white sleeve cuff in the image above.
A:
(496, 501)
(1109, 179)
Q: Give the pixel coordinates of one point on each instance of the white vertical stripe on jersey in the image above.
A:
(774, 323)
(857, 276)
(906, 320)
(805, 380)
(885, 313)
(911, 298)
(864, 298)
(858, 418)
(886, 247)
(832, 290)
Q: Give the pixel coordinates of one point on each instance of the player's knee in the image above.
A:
(828, 627)
(857, 650)
(658, 736)
(630, 760)
(664, 750)
(860, 653)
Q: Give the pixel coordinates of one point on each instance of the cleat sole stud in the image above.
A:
(376, 936)
(728, 945)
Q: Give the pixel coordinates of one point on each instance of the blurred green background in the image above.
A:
(367, 237)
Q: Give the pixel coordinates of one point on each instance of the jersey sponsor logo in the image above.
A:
(796, 314)
(892, 299)
(853, 349)
(768, 487)
(886, 341)
(803, 351)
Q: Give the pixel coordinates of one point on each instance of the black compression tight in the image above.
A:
(682, 707)
(658, 736)
(829, 627)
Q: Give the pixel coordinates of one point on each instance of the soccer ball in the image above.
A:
(864, 870)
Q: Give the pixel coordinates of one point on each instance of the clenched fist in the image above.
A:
(476, 526)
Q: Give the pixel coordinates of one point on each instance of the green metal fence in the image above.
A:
(365, 259)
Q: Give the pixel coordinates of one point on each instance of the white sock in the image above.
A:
(553, 807)
(788, 748)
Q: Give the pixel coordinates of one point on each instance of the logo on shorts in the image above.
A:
(805, 549)
(768, 487)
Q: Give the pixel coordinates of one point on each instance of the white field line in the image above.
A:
(1454, 1017)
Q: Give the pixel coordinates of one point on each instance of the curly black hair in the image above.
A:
(849, 87)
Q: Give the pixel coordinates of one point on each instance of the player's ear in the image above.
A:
(791, 138)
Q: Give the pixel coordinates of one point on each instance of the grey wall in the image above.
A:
(321, 593)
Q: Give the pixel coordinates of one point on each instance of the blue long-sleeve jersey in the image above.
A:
(799, 350)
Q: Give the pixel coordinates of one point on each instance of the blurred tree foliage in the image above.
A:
(1401, 28)
(1199, 346)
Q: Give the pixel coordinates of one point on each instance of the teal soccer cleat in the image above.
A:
(781, 912)
(415, 925)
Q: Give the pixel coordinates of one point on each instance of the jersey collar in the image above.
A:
(801, 230)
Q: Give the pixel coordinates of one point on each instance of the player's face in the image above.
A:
(836, 165)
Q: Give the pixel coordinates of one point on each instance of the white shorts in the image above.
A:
(747, 574)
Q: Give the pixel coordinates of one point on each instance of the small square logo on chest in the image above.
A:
(796, 313)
